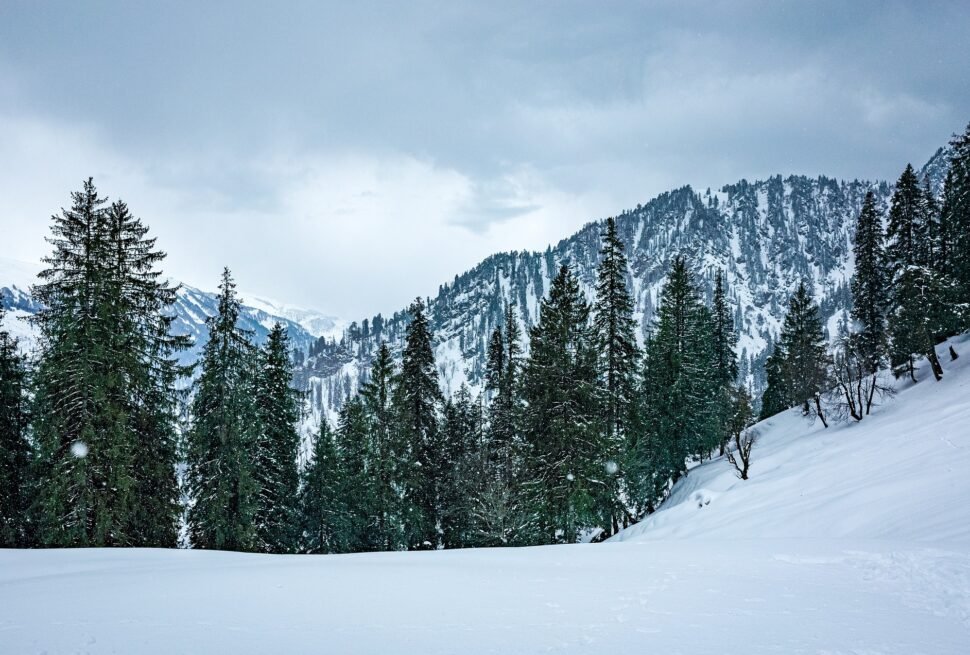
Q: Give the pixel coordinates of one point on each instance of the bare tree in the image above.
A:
(740, 456)
(741, 433)
(856, 382)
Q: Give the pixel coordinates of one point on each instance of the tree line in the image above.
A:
(103, 444)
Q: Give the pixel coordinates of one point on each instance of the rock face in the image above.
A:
(766, 235)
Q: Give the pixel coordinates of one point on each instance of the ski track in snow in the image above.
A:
(851, 540)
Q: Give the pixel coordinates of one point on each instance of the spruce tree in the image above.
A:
(392, 460)
(804, 351)
(417, 400)
(148, 352)
(777, 396)
(619, 358)
(563, 425)
(355, 524)
(106, 402)
(724, 338)
(14, 447)
(683, 392)
(460, 438)
(870, 285)
(224, 435)
(319, 499)
(278, 407)
(917, 312)
(955, 224)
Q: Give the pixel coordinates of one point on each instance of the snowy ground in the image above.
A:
(854, 539)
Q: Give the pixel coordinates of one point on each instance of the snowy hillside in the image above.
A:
(854, 539)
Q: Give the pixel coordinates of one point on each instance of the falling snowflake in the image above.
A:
(570, 477)
(611, 467)
(79, 449)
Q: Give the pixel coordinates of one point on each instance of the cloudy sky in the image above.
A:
(350, 156)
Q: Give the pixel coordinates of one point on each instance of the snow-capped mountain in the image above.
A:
(191, 309)
(767, 236)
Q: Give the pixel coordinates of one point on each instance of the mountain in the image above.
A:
(766, 235)
(191, 309)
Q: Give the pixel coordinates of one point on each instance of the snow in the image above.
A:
(854, 539)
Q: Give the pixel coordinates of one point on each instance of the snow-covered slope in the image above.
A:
(854, 539)
(902, 473)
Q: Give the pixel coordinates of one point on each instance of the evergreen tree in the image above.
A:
(619, 357)
(777, 396)
(278, 407)
(955, 226)
(224, 436)
(683, 392)
(393, 463)
(417, 399)
(870, 286)
(917, 314)
(460, 437)
(724, 338)
(14, 447)
(105, 403)
(562, 425)
(805, 355)
(319, 494)
(147, 352)
(356, 522)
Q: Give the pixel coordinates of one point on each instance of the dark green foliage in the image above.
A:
(682, 393)
(461, 437)
(355, 518)
(105, 403)
(777, 396)
(393, 463)
(870, 286)
(619, 358)
(798, 370)
(563, 428)
(224, 436)
(319, 499)
(724, 338)
(14, 447)
(919, 311)
(278, 409)
(955, 228)
(417, 400)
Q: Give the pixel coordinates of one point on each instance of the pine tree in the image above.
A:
(461, 436)
(619, 358)
(278, 407)
(805, 354)
(106, 400)
(683, 391)
(393, 463)
(870, 285)
(917, 313)
(223, 438)
(147, 351)
(955, 226)
(14, 447)
(726, 362)
(563, 428)
(355, 524)
(777, 396)
(417, 399)
(319, 494)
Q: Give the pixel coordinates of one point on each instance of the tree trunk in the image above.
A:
(818, 410)
(953, 354)
(935, 364)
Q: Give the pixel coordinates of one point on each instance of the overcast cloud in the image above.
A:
(349, 157)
